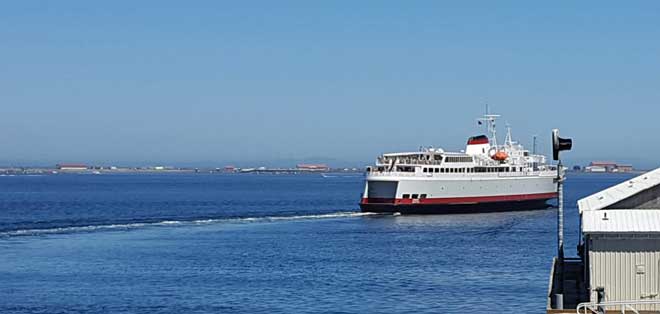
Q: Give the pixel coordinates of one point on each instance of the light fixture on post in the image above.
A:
(560, 144)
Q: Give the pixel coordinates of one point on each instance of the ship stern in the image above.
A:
(379, 196)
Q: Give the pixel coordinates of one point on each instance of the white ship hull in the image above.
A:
(389, 192)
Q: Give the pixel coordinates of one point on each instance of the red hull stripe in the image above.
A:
(460, 200)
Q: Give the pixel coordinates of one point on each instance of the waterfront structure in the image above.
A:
(313, 167)
(619, 251)
(607, 166)
(485, 177)
(71, 167)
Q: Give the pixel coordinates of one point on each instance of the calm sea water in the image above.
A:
(263, 244)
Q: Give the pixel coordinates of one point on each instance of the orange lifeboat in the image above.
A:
(500, 156)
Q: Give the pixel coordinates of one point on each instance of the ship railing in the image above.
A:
(623, 306)
(391, 173)
(460, 174)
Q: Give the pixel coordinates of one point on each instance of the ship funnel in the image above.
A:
(559, 144)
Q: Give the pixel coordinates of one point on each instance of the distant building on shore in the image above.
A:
(607, 166)
(313, 167)
(74, 167)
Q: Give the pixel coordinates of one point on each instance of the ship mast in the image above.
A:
(490, 121)
(508, 141)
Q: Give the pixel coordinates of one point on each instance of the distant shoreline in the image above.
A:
(92, 171)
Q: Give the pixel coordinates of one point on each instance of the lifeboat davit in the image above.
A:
(500, 156)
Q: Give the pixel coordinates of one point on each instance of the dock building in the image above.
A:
(619, 253)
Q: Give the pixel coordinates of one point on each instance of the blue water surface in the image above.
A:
(211, 243)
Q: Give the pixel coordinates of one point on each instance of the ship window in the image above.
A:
(424, 170)
(423, 196)
(437, 170)
(437, 157)
(406, 195)
(415, 196)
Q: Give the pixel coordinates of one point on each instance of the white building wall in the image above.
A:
(627, 267)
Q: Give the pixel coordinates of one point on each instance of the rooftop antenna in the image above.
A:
(490, 121)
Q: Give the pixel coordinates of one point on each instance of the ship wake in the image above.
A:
(165, 223)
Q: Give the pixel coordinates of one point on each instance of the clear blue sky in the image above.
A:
(214, 81)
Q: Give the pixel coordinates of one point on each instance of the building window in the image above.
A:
(406, 195)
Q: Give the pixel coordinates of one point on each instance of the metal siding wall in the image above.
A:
(613, 265)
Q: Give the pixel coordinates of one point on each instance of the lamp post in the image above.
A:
(560, 144)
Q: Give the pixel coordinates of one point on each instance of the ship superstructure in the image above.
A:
(485, 177)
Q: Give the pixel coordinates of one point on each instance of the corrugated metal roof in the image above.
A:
(621, 221)
(620, 191)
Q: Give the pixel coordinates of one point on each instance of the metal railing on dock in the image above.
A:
(595, 307)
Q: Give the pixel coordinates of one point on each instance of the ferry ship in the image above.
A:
(484, 177)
